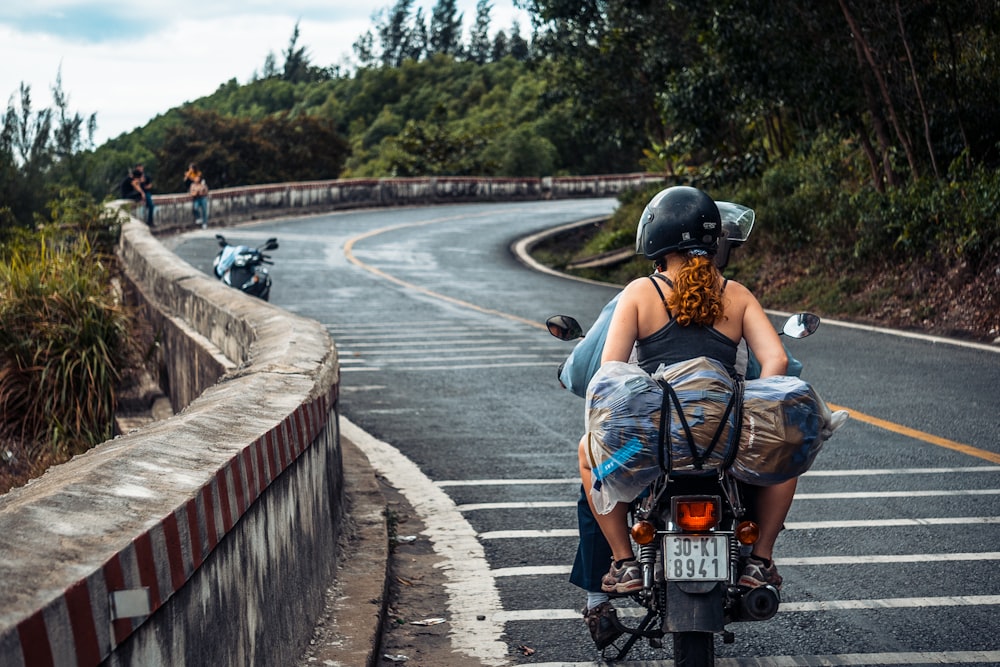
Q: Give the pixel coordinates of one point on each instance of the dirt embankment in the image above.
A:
(957, 301)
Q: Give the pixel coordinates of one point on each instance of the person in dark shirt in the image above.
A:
(130, 188)
(145, 186)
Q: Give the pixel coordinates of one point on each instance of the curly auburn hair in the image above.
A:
(697, 295)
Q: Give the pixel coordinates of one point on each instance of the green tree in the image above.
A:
(396, 35)
(500, 46)
(523, 151)
(517, 46)
(445, 34)
(39, 152)
(296, 67)
(364, 49)
(480, 48)
(612, 57)
(238, 151)
(906, 80)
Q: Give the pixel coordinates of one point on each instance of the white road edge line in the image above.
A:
(472, 591)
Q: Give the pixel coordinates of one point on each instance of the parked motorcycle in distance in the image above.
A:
(244, 267)
(694, 530)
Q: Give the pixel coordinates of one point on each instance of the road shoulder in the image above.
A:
(349, 631)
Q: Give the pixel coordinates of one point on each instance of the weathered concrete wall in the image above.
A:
(206, 538)
(231, 205)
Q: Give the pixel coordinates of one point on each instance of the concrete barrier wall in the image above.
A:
(205, 538)
(231, 205)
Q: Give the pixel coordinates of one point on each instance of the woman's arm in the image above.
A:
(763, 340)
(623, 330)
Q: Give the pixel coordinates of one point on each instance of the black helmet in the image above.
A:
(680, 218)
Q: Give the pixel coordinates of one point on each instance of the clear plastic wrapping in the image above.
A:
(623, 422)
(785, 424)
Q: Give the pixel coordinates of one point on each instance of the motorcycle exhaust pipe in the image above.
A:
(760, 604)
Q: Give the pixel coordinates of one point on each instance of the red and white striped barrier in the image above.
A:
(168, 496)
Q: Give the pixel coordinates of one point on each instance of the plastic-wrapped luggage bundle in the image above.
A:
(623, 422)
(704, 390)
(784, 426)
(623, 415)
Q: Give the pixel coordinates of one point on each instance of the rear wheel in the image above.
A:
(694, 649)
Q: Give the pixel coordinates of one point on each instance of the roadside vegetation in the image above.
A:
(65, 337)
(921, 258)
(866, 136)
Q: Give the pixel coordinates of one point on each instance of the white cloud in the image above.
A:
(173, 52)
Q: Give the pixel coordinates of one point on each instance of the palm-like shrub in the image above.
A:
(63, 333)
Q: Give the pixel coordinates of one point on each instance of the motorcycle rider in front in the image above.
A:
(684, 310)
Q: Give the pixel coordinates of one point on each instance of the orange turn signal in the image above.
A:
(747, 532)
(643, 532)
(696, 513)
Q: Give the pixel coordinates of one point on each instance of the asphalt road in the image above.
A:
(891, 549)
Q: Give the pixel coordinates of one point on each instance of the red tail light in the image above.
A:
(697, 514)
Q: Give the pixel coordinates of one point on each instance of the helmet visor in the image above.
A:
(737, 220)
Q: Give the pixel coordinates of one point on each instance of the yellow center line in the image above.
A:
(860, 416)
(920, 435)
(349, 253)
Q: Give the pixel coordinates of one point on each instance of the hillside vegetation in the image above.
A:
(865, 135)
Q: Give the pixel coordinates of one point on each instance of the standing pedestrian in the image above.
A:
(145, 184)
(198, 189)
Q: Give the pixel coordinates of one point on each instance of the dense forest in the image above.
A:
(865, 135)
(715, 92)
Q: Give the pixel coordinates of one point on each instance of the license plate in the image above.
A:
(696, 557)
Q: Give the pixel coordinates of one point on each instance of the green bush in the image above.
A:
(64, 335)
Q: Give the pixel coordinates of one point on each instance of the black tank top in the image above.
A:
(674, 343)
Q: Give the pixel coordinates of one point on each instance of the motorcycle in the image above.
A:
(694, 531)
(244, 267)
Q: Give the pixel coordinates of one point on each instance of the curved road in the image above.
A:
(891, 548)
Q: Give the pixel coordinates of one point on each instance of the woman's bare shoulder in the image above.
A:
(735, 288)
(639, 285)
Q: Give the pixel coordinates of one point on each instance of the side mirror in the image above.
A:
(221, 239)
(800, 325)
(271, 244)
(564, 327)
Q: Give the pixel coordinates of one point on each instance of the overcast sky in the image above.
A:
(129, 61)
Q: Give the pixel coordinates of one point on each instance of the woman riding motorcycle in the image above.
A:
(683, 311)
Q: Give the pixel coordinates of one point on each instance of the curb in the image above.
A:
(349, 632)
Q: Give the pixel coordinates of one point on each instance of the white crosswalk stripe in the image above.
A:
(628, 610)
(430, 349)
